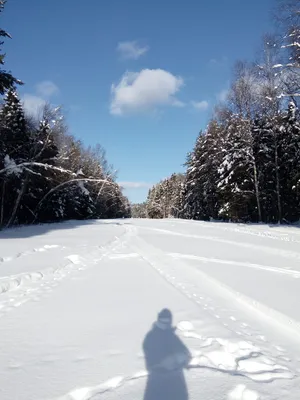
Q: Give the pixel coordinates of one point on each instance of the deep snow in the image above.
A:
(78, 299)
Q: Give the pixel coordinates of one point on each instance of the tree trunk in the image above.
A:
(61, 185)
(257, 192)
(279, 209)
(18, 201)
(2, 205)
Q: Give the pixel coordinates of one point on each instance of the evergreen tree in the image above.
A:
(15, 148)
(238, 173)
(7, 80)
(290, 164)
(15, 138)
(201, 191)
(139, 210)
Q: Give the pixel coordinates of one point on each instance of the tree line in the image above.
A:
(245, 166)
(46, 174)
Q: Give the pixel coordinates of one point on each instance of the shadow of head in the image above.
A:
(165, 356)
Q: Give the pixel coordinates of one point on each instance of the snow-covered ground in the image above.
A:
(78, 299)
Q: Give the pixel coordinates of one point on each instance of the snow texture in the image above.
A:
(79, 302)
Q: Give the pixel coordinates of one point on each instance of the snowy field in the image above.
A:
(78, 299)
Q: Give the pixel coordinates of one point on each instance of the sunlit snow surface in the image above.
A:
(79, 299)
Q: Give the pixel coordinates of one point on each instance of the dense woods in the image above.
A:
(245, 166)
(45, 173)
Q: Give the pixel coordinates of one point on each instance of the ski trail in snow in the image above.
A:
(16, 290)
(237, 358)
(117, 256)
(276, 232)
(270, 250)
(176, 273)
(294, 273)
(47, 247)
(87, 393)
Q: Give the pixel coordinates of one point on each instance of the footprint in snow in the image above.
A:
(240, 392)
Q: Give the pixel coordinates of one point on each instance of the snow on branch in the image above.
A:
(12, 167)
(63, 184)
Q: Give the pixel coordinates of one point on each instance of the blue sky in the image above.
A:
(139, 77)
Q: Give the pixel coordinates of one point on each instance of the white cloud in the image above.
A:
(200, 105)
(144, 91)
(32, 104)
(222, 96)
(46, 89)
(131, 50)
(135, 185)
(219, 62)
(178, 103)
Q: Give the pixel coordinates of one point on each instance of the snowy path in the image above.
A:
(77, 300)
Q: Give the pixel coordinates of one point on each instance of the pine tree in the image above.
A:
(154, 206)
(7, 80)
(201, 192)
(139, 210)
(15, 138)
(44, 146)
(176, 203)
(238, 173)
(15, 148)
(290, 164)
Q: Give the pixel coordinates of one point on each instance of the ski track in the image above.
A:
(253, 359)
(284, 253)
(25, 253)
(285, 271)
(168, 269)
(237, 358)
(278, 232)
(16, 290)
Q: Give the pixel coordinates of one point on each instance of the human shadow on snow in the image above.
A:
(166, 356)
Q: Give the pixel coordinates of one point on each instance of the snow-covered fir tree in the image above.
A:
(139, 210)
(46, 175)
(165, 198)
(15, 136)
(7, 80)
(238, 181)
(200, 192)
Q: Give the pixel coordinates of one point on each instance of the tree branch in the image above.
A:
(61, 185)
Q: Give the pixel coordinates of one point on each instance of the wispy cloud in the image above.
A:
(145, 90)
(47, 89)
(200, 105)
(135, 185)
(34, 103)
(219, 62)
(222, 95)
(131, 50)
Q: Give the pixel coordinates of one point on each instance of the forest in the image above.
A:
(46, 174)
(245, 166)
